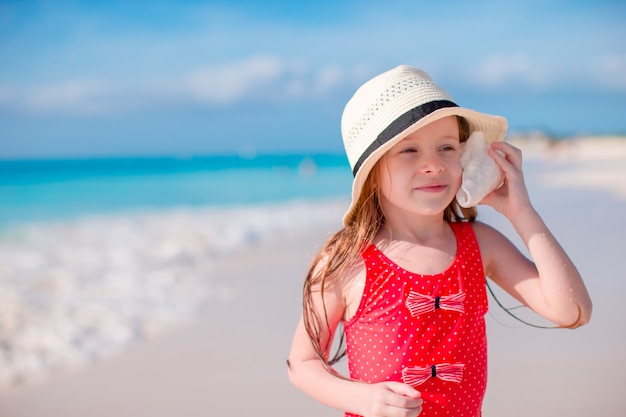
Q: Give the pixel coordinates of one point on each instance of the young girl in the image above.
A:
(406, 274)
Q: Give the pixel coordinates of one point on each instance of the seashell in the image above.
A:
(481, 174)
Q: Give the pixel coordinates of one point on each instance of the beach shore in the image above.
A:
(230, 360)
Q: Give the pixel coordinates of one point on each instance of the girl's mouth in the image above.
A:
(432, 188)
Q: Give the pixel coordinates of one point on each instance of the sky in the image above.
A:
(83, 79)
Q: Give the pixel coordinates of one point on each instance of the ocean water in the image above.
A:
(98, 254)
(43, 190)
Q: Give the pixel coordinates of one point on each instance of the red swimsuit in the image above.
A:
(425, 330)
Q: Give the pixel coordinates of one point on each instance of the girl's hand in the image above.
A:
(391, 399)
(511, 199)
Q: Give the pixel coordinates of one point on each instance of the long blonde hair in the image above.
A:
(343, 250)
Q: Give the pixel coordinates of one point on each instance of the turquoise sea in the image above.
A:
(96, 254)
(61, 189)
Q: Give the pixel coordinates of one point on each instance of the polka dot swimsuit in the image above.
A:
(424, 330)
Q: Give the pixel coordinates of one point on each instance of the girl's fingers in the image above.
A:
(511, 154)
(404, 389)
(403, 396)
(391, 399)
(512, 196)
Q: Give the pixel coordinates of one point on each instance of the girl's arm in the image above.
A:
(551, 284)
(307, 372)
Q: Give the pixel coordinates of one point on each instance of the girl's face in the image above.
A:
(421, 174)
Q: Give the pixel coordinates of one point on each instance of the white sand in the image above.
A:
(583, 163)
(230, 361)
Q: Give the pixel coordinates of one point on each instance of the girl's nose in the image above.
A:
(432, 164)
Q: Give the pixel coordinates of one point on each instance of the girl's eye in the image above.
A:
(448, 148)
(409, 150)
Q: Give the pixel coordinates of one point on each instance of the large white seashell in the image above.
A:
(481, 174)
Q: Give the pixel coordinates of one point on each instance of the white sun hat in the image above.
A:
(391, 106)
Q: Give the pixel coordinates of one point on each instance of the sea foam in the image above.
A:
(79, 290)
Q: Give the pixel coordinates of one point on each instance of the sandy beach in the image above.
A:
(229, 360)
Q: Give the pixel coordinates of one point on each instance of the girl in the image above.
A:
(406, 274)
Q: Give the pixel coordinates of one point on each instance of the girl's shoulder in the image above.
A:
(482, 233)
(486, 234)
(343, 278)
(343, 289)
(492, 243)
(481, 228)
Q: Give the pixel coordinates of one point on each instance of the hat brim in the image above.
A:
(493, 127)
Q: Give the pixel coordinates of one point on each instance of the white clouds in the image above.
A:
(500, 71)
(609, 71)
(221, 55)
(272, 79)
(76, 96)
(221, 84)
(82, 94)
(263, 78)
(268, 79)
(232, 82)
(329, 78)
(606, 72)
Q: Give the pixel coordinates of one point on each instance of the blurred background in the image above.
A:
(110, 78)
